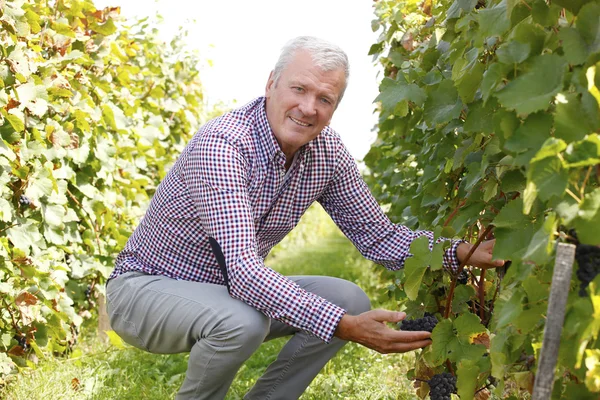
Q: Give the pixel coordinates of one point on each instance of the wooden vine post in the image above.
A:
(559, 292)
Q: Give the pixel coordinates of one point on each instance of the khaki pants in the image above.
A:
(163, 315)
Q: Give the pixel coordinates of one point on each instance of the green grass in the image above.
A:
(99, 371)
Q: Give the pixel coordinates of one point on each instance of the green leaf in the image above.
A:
(588, 218)
(507, 308)
(541, 246)
(513, 52)
(573, 45)
(532, 134)
(467, 373)
(416, 266)
(552, 147)
(16, 122)
(108, 28)
(494, 21)
(511, 243)
(544, 14)
(492, 77)
(442, 336)
(572, 5)
(480, 117)
(588, 25)
(25, 236)
(393, 92)
(549, 177)
(571, 122)
(511, 215)
(531, 318)
(533, 90)
(443, 104)
(583, 153)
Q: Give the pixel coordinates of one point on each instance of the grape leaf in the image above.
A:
(466, 382)
(533, 90)
(443, 104)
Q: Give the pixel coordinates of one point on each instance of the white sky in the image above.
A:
(243, 38)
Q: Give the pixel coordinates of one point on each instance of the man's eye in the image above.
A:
(325, 100)
(298, 89)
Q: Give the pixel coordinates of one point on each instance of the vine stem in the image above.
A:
(482, 294)
(455, 211)
(587, 176)
(12, 317)
(570, 193)
(461, 267)
(8, 227)
(90, 222)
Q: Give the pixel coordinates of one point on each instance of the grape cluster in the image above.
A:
(463, 277)
(442, 386)
(426, 323)
(22, 340)
(588, 259)
(24, 201)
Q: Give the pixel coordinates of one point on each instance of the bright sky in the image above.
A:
(243, 39)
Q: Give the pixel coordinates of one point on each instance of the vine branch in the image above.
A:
(89, 219)
(461, 267)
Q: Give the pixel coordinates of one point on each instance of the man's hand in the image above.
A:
(482, 257)
(370, 330)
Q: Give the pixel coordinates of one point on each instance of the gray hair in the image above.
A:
(325, 55)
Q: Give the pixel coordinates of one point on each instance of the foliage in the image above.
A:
(93, 111)
(489, 117)
(95, 371)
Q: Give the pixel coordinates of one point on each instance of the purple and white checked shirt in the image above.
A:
(229, 183)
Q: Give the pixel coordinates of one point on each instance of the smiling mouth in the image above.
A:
(297, 121)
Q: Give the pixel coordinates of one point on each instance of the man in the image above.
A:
(192, 275)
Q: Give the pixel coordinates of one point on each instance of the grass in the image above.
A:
(99, 371)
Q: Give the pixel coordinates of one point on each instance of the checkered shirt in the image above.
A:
(230, 184)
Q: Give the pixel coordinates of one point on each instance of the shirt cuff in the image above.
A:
(326, 320)
(451, 261)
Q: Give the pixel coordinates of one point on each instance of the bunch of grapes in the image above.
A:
(88, 292)
(588, 259)
(442, 386)
(24, 201)
(427, 323)
(22, 340)
(463, 277)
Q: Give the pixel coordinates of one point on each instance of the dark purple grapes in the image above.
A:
(421, 324)
(442, 386)
(24, 201)
(22, 340)
(588, 259)
(463, 277)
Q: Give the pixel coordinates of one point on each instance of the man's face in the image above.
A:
(302, 102)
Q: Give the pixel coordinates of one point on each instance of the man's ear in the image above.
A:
(270, 84)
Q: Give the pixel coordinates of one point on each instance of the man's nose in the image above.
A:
(308, 106)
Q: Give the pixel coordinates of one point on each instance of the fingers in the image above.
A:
(405, 347)
(386, 315)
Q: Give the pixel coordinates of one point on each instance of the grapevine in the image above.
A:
(489, 129)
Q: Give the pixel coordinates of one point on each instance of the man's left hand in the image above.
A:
(481, 257)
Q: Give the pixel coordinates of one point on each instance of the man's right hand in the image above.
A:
(370, 330)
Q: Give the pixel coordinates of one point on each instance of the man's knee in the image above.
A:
(355, 299)
(246, 329)
(340, 292)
